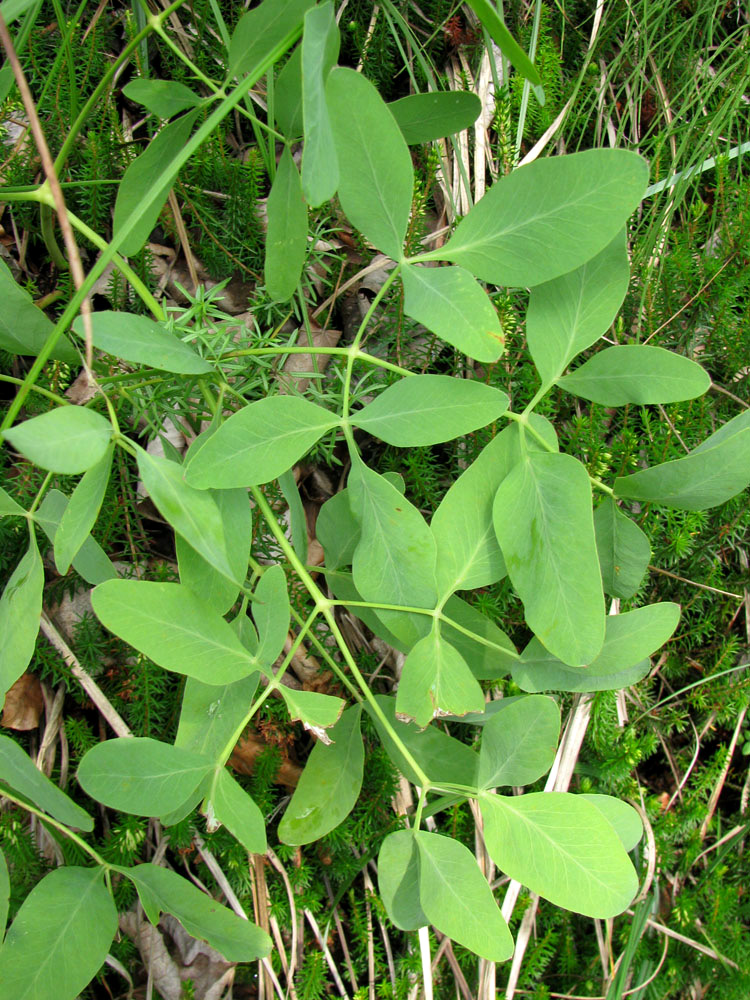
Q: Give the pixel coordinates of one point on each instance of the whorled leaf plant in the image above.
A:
(521, 509)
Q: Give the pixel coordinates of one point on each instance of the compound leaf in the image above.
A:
(453, 305)
(457, 900)
(711, 474)
(543, 520)
(20, 608)
(68, 439)
(436, 680)
(425, 117)
(60, 937)
(576, 203)
(82, 511)
(142, 341)
(286, 241)
(329, 786)
(569, 313)
(624, 550)
(320, 49)
(141, 776)
(174, 628)
(164, 891)
(258, 443)
(398, 878)
(147, 182)
(630, 639)
(429, 409)
(376, 175)
(561, 847)
(20, 773)
(231, 805)
(639, 374)
(519, 742)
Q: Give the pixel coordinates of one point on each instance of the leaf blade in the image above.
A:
(638, 374)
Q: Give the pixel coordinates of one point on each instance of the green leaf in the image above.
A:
(24, 328)
(507, 44)
(162, 97)
(561, 847)
(320, 50)
(82, 511)
(468, 554)
(436, 680)
(231, 805)
(376, 175)
(297, 515)
(624, 819)
(485, 661)
(543, 520)
(630, 639)
(9, 507)
(194, 514)
(639, 374)
(147, 182)
(199, 575)
(174, 628)
(317, 712)
(141, 341)
(211, 715)
(91, 561)
(271, 612)
(329, 786)
(288, 96)
(139, 775)
(398, 879)
(286, 241)
(19, 772)
(259, 442)
(519, 742)
(569, 313)
(337, 530)
(163, 891)
(711, 474)
(60, 937)
(394, 562)
(576, 203)
(624, 550)
(12, 9)
(425, 117)
(453, 305)
(4, 895)
(20, 608)
(68, 439)
(260, 31)
(429, 409)
(443, 759)
(457, 900)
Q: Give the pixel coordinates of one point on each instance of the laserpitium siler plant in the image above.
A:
(521, 508)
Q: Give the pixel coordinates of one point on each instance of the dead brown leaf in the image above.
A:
(24, 704)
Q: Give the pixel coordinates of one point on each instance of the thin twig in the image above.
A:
(694, 583)
(87, 682)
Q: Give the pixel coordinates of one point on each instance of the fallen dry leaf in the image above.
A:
(24, 704)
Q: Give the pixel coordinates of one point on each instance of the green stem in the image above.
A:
(58, 826)
(273, 684)
(36, 388)
(325, 655)
(325, 606)
(420, 807)
(358, 339)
